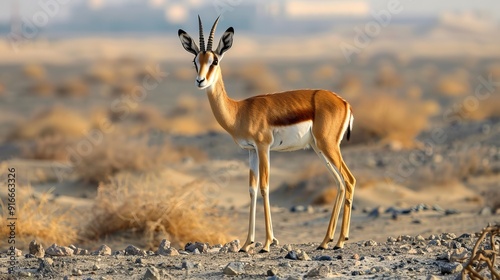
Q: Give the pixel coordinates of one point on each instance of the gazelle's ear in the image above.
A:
(226, 41)
(188, 42)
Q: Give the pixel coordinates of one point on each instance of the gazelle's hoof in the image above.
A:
(337, 248)
(320, 248)
(263, 251)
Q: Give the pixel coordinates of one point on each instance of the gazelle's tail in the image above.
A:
(349, 128)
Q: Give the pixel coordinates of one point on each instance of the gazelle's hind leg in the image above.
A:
(333, 160)
(350, 183)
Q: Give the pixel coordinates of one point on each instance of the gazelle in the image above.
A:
(284, 121)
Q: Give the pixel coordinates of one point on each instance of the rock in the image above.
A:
(435, 242)
(286, 248)
(292, 255)
(272, 272)
(258, 244)
(322, 271)
(187, 265)
(169, 252)
(95, 267)
(76, 272)
(151, 273)
(17, 252)
(450, 268)
(55, 250)
(355, 257)
(447, 236)
(234, 268)
(132, 250)
(298, 208)
(103, 250)
(375, 213)
(437, 208)
(163, 247)
(419, 238)
(45, 266)
(324, 258)
(432, 277)
(301, 255)
(370, 243)
(451, 212)
(405, 238)
(231, 247)
(391, 239)
(486, 211)
(23, 274)
(36, 249)
(191, 247)
(458, 255)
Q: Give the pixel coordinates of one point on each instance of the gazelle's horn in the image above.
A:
(202, 40)
(212, 33)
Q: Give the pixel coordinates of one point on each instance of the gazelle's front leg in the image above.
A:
(263, 153)
(254, 180)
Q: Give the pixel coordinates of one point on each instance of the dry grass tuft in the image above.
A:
(327, 196)
(153, 209)
(452, 86)
(42, 88)
(38, 218)
(380, 116)
(34, 71)
(48, 148)
(101, 74)
(350, 85)
(191, 116)
(259, 78)
(324, 72)
(73, 87)
(387, 76)
(115, 153)
(54, 122)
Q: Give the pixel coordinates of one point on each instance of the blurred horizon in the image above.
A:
(54, 18)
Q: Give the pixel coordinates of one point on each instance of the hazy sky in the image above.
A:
(411, 7)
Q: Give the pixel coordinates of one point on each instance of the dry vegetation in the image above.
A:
(381, 116)
(39, 218)
(117, 153)
(258, 78)
(54, 122)
(152, 208)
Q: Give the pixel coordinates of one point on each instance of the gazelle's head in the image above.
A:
(207, 60)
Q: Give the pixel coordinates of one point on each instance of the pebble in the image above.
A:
(391, 239)
(272, 272)
(324, 258)
(95, 267)
(486, 211)
(355, 257)
(447, 236)
(435, 242)
(191, 247)
(234, 268)
(23, 274)
(419, 238)
(405, 238)
(187, 265)
(303, 256)
(36, 249)
(231, 247)
(151, 274)
(292, 255)
(55, 250)
(370, 243)
(450, 268)
(103, 250)
(322, 271)
(76, 272)
(286, 248)
(132, 250)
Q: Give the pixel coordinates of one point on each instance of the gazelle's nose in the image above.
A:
(200, 81)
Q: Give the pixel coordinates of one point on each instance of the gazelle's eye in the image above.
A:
(215, 62)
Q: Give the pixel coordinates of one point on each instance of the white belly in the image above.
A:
(292, 137)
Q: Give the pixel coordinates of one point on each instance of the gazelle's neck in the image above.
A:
(223, 107)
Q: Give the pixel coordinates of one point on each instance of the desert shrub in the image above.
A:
(52, 122)
(154, 207)
(116, 153)
(101, 73)
(125, 88)
(452, 86)
(191, 116)
(41, 88)
(324, 72)
(47, 148)
(350, 85)
(387, 76)
(380, 116)
(484, 109)
(259, 78)
(34, 71)
(38, 218)
(73, 87)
